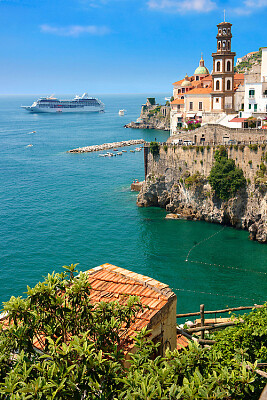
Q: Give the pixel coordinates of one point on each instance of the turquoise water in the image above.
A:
(58, 208)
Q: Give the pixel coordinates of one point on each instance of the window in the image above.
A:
(255, 107)
(178, 106)
(228, 44)
(219, 45)
(217, 85)
(197, 78)
(217, 100)
(249, 106)
(224, 44)
(218, 66)
(191, 105)
(228, 85)
(200, 106)
(251, 93)
(179, 90)
(228, 66)
(182, 97)
(183, 90)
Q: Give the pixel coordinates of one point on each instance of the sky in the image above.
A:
(116, 46)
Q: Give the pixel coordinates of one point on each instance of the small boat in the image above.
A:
(122, 112)
(124, 151)
(138, 149)
(132, 151)
(102, 155)
(119, 153)
(29, 145)
(115, 149)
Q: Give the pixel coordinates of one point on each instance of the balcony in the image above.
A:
(251, 96)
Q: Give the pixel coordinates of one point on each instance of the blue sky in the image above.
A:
(116, 46)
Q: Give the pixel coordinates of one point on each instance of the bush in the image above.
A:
(154, 148)
(225, 178)
(250, 162)
(165, 147)
(253, 147)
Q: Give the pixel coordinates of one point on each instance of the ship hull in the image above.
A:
(64, 110)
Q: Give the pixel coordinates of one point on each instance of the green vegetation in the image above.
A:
(247, 64)
(250, 162)
(156, 110)
(253, 147)
(165, 147)
(194, 180)
(83, 355)
(154, 148)
(225, 178)
(261, 175)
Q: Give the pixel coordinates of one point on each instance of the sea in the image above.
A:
(58, 208)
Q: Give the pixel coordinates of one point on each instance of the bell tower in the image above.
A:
(223, 71)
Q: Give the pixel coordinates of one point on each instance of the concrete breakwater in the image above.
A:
(106, 146)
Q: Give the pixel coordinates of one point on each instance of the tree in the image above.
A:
(58, 345)
(81, 352)
(154, 148)
(225, 178)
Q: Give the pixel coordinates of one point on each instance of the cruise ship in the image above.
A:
(82, 103)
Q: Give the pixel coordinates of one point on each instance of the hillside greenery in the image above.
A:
(247, 64)
(82, 355)
(225, 178)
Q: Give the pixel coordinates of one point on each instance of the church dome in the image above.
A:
(201, 69)
(186, 82)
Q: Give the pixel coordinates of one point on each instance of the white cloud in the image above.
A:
(250, 6)
(183, 6)
(75, 30)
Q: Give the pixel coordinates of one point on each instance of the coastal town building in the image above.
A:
(209, 98)
(255, 103)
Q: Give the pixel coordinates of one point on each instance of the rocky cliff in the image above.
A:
(177, 181)
(153, 116)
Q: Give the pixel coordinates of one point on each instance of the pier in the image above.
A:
(106, 146)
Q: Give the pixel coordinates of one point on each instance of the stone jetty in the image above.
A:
(106, 146)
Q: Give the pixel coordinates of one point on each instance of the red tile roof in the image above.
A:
(200, 91)
(236, 119)
(178, 101)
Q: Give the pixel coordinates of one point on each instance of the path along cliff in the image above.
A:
(177, 179)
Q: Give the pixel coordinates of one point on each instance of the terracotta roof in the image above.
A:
(239, 77)
(236, 119)
(182, 342)
(207, 78)
(178, 101)
(110, 283)
(200, 91)
(191, 78)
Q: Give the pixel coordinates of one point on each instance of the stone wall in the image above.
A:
(165, 186)
(219, 134)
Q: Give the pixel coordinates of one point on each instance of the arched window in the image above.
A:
(228, 66)
(228, 85)
(218, 66)
(228, 44)
(219, 45)
(217, 85)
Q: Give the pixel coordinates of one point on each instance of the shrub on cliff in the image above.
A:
(154, 148)
(225, 178)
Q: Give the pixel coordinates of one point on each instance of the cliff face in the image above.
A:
(167, 185)
(153, 116)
